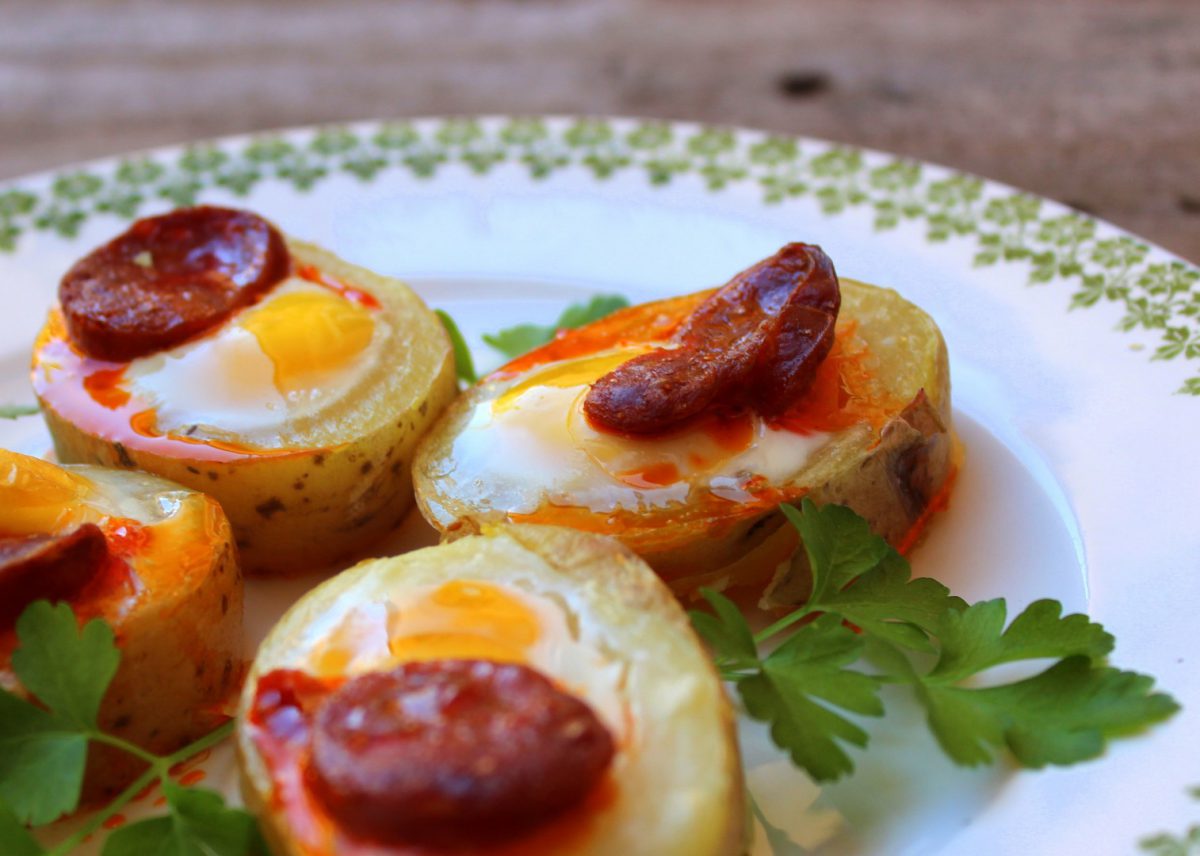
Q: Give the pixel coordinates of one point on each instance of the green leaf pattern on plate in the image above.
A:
(1158, 297)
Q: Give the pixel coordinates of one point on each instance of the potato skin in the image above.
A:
(292, 513)
(889, 476)
(180, 642)
(349, 484)
(686, 736)
(181, 659)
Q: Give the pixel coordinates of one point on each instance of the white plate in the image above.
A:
(1082, 479)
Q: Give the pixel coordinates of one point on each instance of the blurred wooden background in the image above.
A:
(1092, 102)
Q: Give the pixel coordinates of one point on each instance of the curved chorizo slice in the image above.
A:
(53, 567)
(450, 751)
(169, 278)
(756, 342)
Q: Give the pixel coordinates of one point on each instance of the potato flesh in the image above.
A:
(180, 639)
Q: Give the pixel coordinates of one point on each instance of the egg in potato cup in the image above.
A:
(689, 478)
(528, 689)
(204, 347)
(157, 562)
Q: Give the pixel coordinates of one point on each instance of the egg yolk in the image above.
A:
(305, 333)
(567, 374)
(464, 620)
(37, 496)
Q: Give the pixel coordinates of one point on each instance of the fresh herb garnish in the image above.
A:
(43, 751)
(1185, 844)
(199, 823)
(866, 609)
(14, 837)
(16, 411)
(514, 341)
(463, 364)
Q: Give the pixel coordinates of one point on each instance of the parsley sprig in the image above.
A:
(1186, 843)
(868, 623)
(514, 341)
(43, 752)
(464, 366)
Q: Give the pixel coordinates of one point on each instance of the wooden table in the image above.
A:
(1095, 103)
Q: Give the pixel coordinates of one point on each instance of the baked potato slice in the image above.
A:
(170, 588)
(300, 494)
(605, 628)
(874, 433)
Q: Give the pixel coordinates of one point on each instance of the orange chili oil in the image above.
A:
(654, 475)
(87, 392)
(318, 277)
(280, 724)
(652, 322)
(843, 393)
(939, 502)
(103, 385)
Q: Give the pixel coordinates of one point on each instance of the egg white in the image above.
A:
(222, 385)
(572, 658)
(136, 496)
(42, 498)
(538, 448)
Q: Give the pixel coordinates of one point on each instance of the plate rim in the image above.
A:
(743, 136)
(1159, 289)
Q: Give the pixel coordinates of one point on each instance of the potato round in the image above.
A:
(678, 786)
(180, 634)
(891, 472)
(345, 477)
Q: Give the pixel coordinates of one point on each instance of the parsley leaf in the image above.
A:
(521, 339)
(514, 341)
(784, 688)
(1061, 716)
(43, 750)
(68, 671)
(891, 606)
(16, 411)
(975, 638)
(41, 761)
(600, 306)
(1165, 844)
(806, 689)
(726, 632)
(811, 665)
(840, 545)
(199, 825)
(464, 366)
(15, 839)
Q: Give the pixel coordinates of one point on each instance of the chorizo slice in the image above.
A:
(757, 342)
(453, 751)
(53, 567)
(169, 278)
